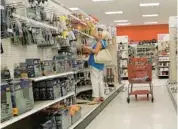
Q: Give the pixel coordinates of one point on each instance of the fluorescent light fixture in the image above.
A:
(123, 24)
(149, 4)
(74, 9)
(121, 21)
(114, 12)
(150, 22)
(150, 15)
(102, 0)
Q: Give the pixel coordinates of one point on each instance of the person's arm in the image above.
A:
(96, 50)
(94, 33)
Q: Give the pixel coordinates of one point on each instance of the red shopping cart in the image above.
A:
(139, 71)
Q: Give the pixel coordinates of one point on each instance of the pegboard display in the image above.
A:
(17, 53)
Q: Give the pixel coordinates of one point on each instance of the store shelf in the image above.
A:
(84, 34)
(51, 76)
(163, 66)
(38, 106)
(164, 60)
(83, 88)
(71, 15)
(34, 22)
(163, 75)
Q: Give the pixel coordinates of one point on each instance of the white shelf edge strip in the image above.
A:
(39, 106)
(84, 33)
(51, 76)
(34, 22)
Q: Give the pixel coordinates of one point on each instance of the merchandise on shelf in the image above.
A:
(22, 96)
(122, 42)
(163, 65)
(5, 74)
(163, 44)
(6, 103)
(33, 67)
(52, 89)
(75, 112)
(47, 67)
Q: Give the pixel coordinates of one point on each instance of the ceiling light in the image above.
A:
(150, 22)
(149, 4)
(114, 12)
(101, 0)
(123, 24)
(121, 20)
(150, 15)
(74, 9)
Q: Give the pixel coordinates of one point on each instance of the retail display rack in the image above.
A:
(163, 65)
(172, 84)
(122, 42)
(146, 51)
(50, 87)
(43, 68)
(163, 62)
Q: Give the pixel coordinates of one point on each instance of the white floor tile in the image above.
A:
(141, 114)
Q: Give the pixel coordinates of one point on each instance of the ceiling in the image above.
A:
(131, 10)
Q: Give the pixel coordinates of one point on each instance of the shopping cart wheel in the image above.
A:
(128, 100)
(152, 99)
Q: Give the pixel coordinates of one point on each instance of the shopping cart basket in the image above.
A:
(139, 72)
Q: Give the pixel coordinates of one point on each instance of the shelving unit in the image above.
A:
(163, 66)
(163, 59)
(122, 45)
(146, 51)
(56, 80)
(52, 76)
(173, 66)
(38, 106)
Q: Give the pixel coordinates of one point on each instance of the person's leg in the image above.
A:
(101, 85)
(94, 74)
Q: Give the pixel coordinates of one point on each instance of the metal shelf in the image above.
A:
(51, 76)
(163, 75)
(38, 106)
(163, 66)
(164, 60)
(83, 88)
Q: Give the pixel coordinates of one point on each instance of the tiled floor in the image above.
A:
(141, 114)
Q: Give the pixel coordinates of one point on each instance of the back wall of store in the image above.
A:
(142, 32)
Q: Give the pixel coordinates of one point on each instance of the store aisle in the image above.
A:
(141, 114)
